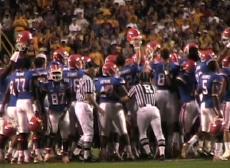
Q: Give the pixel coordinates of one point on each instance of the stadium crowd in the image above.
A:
(175, 43)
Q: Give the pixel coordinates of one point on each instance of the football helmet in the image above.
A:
(23, 40)
(55, 70)
(110, 69)
(151, 48)
(226, 36)
(175, 58)
(35, 124)
(207, 54)
(111, 59)
(217, 127)
(9, 129)
(134, 37)
(60, 55)
(189, 46)
(75, 61)
(226, 62)
(189, 66)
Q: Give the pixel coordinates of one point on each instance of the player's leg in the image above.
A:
(143, 122)
(52, 129)
(157, 129)
(64, 127)
(226, 154)
(120, 121)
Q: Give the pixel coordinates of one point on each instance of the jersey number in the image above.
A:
(57, 98)
(148, 89)
(161, 79)
(204, 87)
(20, 84)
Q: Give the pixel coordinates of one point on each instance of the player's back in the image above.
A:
(201, 69)
(107, 87)
(130, 74)
(159, 76)
(23, 82)
(72, 77)
(209, 83)
(188, 86)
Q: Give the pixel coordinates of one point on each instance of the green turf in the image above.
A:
(142, 164)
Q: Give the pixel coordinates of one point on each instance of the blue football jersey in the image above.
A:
(13, 96)
(130, 74)
(23, 83)
(72, 77)
(57, 95)
(187, 87)
(40, 74)
(105, 86)
(210, 84)
(159, 73)
(201, 68)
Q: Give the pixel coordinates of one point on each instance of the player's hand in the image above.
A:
(14, 56)
(101, 111)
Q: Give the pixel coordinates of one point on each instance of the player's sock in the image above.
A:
(161, 146)
(193, 140)
(145, 145)
(218, 149)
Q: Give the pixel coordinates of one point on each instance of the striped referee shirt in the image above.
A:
(144, 94)
(86, 86)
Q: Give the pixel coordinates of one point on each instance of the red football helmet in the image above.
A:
(189, 66)
(110, 69)
(134, 36)
(60, 55)
(85, 61)
(152, 47)
(217, 127)
(35, 124)
(188, 46)
(207, 54)
(9, 129)
(23, 40)
(226, 62)
(226, 34)
(111, 59)
(175, 58)
(75, 61)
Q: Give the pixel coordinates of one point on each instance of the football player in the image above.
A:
(59, 99)
(164, 73)
(189, 114)
(110, 88)
(212, 87)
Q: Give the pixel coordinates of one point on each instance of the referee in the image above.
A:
(84, 111)
(147, 114)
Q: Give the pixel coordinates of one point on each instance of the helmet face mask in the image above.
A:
(55, 71)
(226, 36)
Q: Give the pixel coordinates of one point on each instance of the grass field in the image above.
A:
(141, 164)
